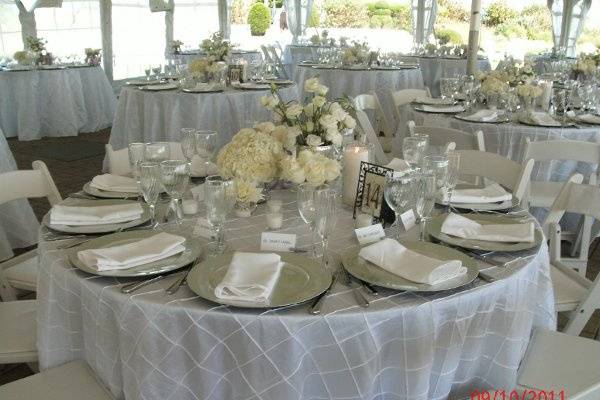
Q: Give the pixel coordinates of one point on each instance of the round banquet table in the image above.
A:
(250, 56)
(147, 116)
(55, 102)
(354, 82)
(435, 67)
(418, 346)
(18, 224)
(297, 53)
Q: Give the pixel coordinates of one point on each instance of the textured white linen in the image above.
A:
(18, 224)
(405, 346)
(432, 101)
(55, 102)
(397, 259)
(463, 227)
(153, 248)
(542, 118)
(94, 215)
(114, 183)
(493, 193)
(483, 115)
(448, 109)
(250, 277)
(589, 119)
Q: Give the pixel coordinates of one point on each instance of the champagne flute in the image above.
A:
(438, 166)
(157, 152)
(175, 177)
(156, 71)
(414, 148)
(425, 200)
(219, 197)
(206, 146)
(150, 186)
(327, 206)
(399, 193)
(453, 174)
(307, 207)
(188, 143)
(136, 156)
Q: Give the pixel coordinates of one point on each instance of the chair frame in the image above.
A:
(462, 139)
(405, 96)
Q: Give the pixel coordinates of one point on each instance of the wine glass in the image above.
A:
(438, 166)
(136, 156)
(399, 193)
(150, 185)
(206, 146)
(307, 207)
(156, 71)
(453, 174)
(219, 198)
(147, 71)
(413, 149)
(327, 206)
(175, 177)
(157, 152)
(188, 143)
(425, 199)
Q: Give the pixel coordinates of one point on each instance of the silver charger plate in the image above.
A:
(434, 229)
(529, 122)
(105, 194)
(301, 279)
(440, 111)
(215, 90)
(499, 206)
(252, 86)
(500, 120)
(371, 273)
(188, 256)
(103, 228)
(158, 88)
(143, 82)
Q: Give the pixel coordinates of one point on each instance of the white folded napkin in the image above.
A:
(150, 249)
(589, 119)
(398, 260)
(114, 183)
(95, 215)
(251, 277)
(493, 193)
(483, 115)
(198, 167)
(432, 101)
(399, 166)
(542, 118)
(443, 109)
(462, 227)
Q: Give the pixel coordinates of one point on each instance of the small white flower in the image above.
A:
(269, 102)
(293, 111)
(328, 121)
(334, 137)
(319, 101)
(349, 122)
(310, 126)
(312, 85)
(314, 140)
(309, 110)
(322, 90)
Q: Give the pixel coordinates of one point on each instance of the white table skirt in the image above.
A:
(434, 68)
(55, 103)
(295, 54)
(404, 346)
(145, 116)
(18, 224)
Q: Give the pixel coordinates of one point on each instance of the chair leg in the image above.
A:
(580, 317)
(7, 292)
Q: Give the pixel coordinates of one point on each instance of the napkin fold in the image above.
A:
(250, 277)
(399, 166)
(493, 193)
(95, 215)
(198, 168)
(589, 119)
(114, 183)
(542, 118)
(443, 109)
(150, 249)
(462, 227)
(484, 115)
(398, 260)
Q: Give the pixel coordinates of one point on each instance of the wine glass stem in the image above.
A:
(325, 243)
(398, 223)
(313, 229)
(450, 190)
(152, 214)
(422, 234)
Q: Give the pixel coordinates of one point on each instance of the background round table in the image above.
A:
(57, 102)
(149, 116)
(249, 55)
(152, 346)
(354, 82)
(18, 224)
(297, 53)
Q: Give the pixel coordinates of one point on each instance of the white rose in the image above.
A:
(328, 121)
(310, 126)
(269, 102)
(338, 112)
(349, 122)
(332, 170)
(312, 85)
(322, 90)
(314, 140)
(334, 137)
(305, 156)
(318, 101)
(266, 127)
(315, 172)
(293, 111)
(309, 110)
(291, 170)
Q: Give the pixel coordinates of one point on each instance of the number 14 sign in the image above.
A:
(369, 191)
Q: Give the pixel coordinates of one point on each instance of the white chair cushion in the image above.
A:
(544, 193)
(18, 332)
(23, 275)
(567, 292)
(71, 381)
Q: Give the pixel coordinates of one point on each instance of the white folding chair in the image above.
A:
(20, 273)
(370, 102)
(573, 292)
(272, 57)
(372, 138)
(118, 160)
(560, 362)
(404, 97)
(510, 174)
(18, 332)
(439, 136)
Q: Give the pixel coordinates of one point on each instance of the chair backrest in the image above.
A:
(577, 198)
(371, 102)
(274, 58)
(508, 173)
(403, 97)
(26, 184)
(439, 136)
(118, 160)
(367, 128)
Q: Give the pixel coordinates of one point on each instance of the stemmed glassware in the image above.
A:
(156, 71)
(438, 166)
(157, 152)
(425, 199)
(148, 71)
(453, 174)
(206, 146)
(399, 194)
(219, 198)
(414, 148)
(327, 206)
(175, 177)
(307, 207)
(136, 153)
(188, 143)
(151, 186)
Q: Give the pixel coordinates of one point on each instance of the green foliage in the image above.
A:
(345, 14)
(498, 13)
(237, 11)
(537, 17)
(450, 10)
(315, 17)
(278, 3)
(259, 19)
(590, 35)
(511, 30)
(532, 23)
(448, 36)
(401, 16)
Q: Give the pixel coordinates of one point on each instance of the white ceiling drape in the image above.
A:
(568, 17)
(298, 15)
(424, 13)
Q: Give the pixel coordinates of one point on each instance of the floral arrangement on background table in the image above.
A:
(217, 47)
(205, 69)
(528, 93)
(322, 39)
(358, 54)
(92, 57)
(24, 57)
(37, 46)
(586, 66)
(176, 46)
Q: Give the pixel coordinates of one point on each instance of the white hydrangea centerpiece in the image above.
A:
(216, 47)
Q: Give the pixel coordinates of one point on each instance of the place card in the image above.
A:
(203, 229)
(408, 219)
(370, 234)
(270, 241)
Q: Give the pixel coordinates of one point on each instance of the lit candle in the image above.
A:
(363, 220)
(274, 205)
(274, 220)
(190, 206)
(354, 154)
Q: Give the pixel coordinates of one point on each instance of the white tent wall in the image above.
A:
(568, 17)
(10, 28)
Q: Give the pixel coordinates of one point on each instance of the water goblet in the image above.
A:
(414, 148)
(175, 177)
(188, 143)
(425, 199)
(147, 71)
(150, 186)
(157, 152)
(136, 156)
(327, 206)
(206, 146)
(307, 207)
(438, 166)
(453, 174)
(156, 71)
(399, 194)
(219, 197)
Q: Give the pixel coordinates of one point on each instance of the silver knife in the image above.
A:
(132, 287)
(360, 298)
(315, 308)
(181, 280)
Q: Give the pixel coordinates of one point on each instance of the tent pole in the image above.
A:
(106, 29)
(475, 26)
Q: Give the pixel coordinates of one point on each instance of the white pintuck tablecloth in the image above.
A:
(18, 224)
(404, 346)
(61, 102)
(146, 116)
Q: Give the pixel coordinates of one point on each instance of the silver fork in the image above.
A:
(360, 298)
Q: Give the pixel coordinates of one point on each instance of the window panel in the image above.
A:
(194, 21)
(10, 30)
